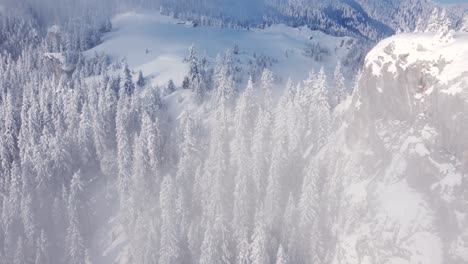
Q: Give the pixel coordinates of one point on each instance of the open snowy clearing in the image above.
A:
(158, 44)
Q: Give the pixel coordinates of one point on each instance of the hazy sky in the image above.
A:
(452, 1)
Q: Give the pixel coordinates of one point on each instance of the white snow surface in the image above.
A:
(446, 55)
(157, 45)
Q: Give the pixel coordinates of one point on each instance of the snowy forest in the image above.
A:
(89, 148)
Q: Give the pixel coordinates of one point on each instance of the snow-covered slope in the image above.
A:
(401, 156)
(157, 45)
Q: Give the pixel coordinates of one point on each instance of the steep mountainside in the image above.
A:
(401, 157)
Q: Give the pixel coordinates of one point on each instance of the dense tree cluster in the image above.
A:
(223, 191)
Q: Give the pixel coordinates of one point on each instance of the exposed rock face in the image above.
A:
(403, 151)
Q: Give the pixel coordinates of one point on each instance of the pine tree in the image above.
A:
(225, 79)
(124, 151)
(141, 80)
(75, 244)
(260, 243)
(464, 24)
(87, 259)
(244, 202)
(86, 136)
(262, 137)
(281, 257)
(319, 112)
(243, 249)
(170, 87)
(20, 257)
(42, 252)
(28, 213)
(267, 81)
(186, 83)
(9, 138)
(169, 251)
(185, 176)
(279, 163)
(11, 213)
(126, 83)
(438, 22)
(209, 251)
(340, 89)
(309, 202)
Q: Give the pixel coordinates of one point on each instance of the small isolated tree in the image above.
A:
(126, 82)
(186, 83)
(170, 87)
(141, 80)
(236, 50)
(340, 88)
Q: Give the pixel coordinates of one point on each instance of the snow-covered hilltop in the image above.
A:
(157, 45)
(402, 155)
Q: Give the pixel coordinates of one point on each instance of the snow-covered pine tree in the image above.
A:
(196, 75)
(170, 87)
(262, 136)
(281, 257)
(225, 80)
(438, 22)
(340, 88)
(86, 136)
(20, 257)
(141, 80)
(42, 252)
(275, 198)
(75, 244)
(126, 82)
(244, 200)
(259, 248)
(169, 251)
(11, 213)
(319, 112)
(464, 24)
(124, 150)
(185, 176)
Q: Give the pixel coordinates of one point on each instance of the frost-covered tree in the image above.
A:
(438, 22)
(340, 88)
(141, 80)
(169, 251)
(244, 201)
(170, 87)
(126, 82)
(464, 24)
(259, 248)
(197, 76)
(319, 112)
(75, 244)
(42, 252)
(20, 257)
(225, 80)
(262, 137)
(281, 257)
